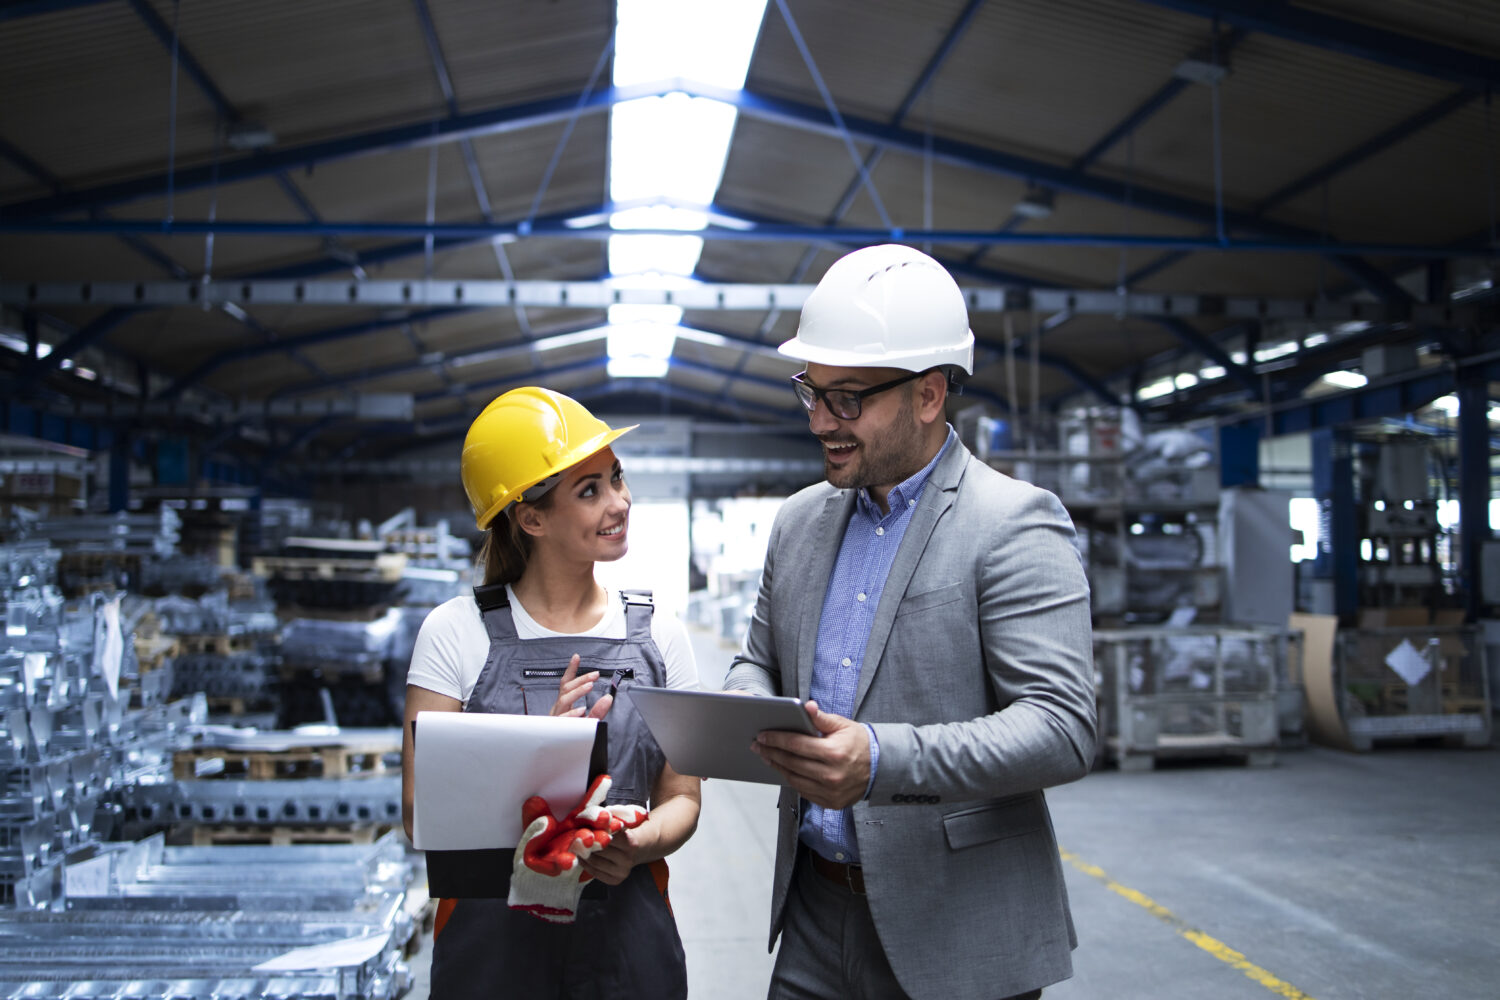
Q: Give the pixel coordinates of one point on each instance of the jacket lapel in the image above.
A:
(937, 497)
(824, 537)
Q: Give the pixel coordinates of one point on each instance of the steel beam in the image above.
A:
(1474, 528)
(506, 232)
(459, 295)
(14, 10)
(1205, 345)
(1351, 38)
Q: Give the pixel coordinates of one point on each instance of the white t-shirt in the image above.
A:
(452, 645)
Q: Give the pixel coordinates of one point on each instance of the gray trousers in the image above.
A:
(829, 947)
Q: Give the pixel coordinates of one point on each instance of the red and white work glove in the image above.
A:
(547, 875)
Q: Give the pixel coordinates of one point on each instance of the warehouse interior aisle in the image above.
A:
(1331, 876)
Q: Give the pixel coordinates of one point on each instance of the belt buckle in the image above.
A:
(850, 871)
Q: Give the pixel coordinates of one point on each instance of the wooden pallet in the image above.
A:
(279, 765)
(220, 643)
(284, 836)
(152, 652)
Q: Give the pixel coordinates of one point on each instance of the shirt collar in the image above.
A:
(909, 489)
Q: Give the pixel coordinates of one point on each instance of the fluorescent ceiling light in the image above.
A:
(1200, 71)
(18, 344)
(1494, 414)
(1276, 351)
(1211, 372)
(1448, 404)
(1037, 204)
(1345, 380)
(1160, 387)
(1186, 380)
(1313, 340)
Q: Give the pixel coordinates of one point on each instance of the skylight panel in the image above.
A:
(654, 254)
(706, 41)
(672, 146)
(670, 149)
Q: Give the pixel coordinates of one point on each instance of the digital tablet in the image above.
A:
(708, 733)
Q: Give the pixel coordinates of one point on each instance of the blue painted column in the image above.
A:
(119, 470)
(1473, 484)
(1338, 542)
(1239, 455)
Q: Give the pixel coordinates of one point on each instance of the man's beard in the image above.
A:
(894, 459)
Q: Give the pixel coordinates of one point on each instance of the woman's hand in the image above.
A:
(572, 687)
(626, 849)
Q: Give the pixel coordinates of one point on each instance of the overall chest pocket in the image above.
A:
(539, 687)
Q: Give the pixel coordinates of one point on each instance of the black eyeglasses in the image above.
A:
(846, 404)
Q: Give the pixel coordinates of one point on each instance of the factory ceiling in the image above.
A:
(349, 224)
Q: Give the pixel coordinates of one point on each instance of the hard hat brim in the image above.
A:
(586, 450)
(960, 355)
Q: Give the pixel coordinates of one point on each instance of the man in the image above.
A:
(936, 614)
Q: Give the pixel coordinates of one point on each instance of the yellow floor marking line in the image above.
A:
(1213, 946)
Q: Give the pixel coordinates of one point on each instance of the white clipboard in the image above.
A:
(708, 733)
(473, 770)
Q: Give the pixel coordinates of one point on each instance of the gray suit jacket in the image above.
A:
(978, 681)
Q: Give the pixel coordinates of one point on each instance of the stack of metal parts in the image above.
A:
(226, 649)
(69, 738)
(154, 534)
(331, 922)
(106, 551)
(178, 574)
(322, 776)
(343, 646)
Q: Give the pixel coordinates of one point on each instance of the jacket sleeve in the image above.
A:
(1036, 643)
(756, 668)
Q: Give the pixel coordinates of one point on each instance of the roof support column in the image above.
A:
(1474, 527)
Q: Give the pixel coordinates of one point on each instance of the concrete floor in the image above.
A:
(1330, 876)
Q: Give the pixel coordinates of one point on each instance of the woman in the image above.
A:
(542, 637)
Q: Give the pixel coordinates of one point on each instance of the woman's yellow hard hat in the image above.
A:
(524, 437)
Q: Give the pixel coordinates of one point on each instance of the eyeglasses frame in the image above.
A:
(859, 395)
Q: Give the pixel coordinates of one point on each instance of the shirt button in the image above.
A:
(879, 531)
(911, 503)
(861, 597)
(847, 661)
(838, 856)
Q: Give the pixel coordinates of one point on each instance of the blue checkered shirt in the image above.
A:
(854, 588)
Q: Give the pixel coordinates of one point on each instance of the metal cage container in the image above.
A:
(1407, 683)
(1192, 692)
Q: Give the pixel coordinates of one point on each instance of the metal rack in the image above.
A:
(1192, 692)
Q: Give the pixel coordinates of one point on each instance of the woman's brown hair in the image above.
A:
(506, 547)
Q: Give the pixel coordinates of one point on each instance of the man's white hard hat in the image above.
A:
(887, 306)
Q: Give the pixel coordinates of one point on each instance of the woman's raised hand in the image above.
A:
(572, 687)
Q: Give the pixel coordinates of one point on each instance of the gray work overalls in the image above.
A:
(624, 942)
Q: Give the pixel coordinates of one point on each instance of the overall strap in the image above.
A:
(494, 608)
(638, 609)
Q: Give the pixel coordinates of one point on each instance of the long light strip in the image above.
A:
(669, 148)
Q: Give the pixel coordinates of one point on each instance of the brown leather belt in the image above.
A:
(851, 877)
